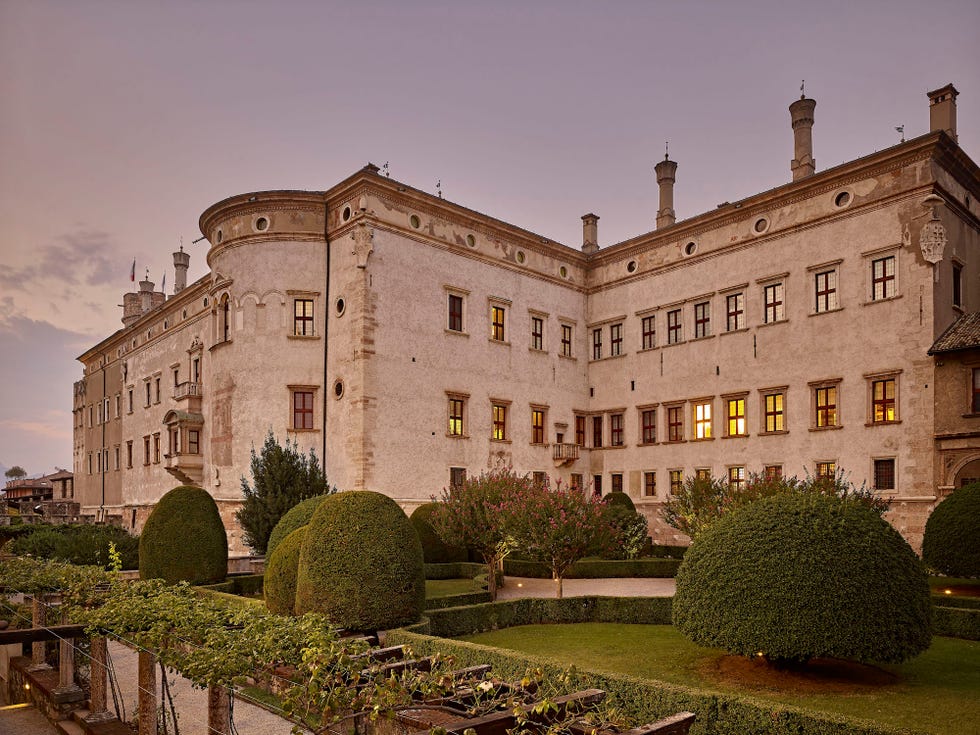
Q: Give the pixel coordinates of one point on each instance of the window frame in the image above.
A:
(567, 339)
(675, 423)
(820, 409)
(676, 481)
(826, 290)
(887, 281)
(774, 302)
(454, 399)
(617, 432)
(537, 331)
(616, 483)
(883, 380)
(648, 428)
(735, 311)
(648, 332)
(737, 398)
(597, 343)
(539, 421)
(304, 313)
(581, 429)
(894, 474)
(702, 319)
(825, 469)
(499, 420)
(498, 323)
(454, 320)
(302, 411)
(649, 483)
(597, 431)
(675, 326)
(701, 419)
(974, 394)
(776, 413)
(736, 476)
(616, 339)
(957, 284)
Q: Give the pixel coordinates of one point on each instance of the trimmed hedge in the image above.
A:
(83, 544)
(956, 622)
(455, 570)
(467, 598)
(643, 700)
(621, 499)
(281, 571)
(663, 551)
(361, 564)
(434, 549)
(596, 568)
(184, 539)
(296, 517)
(240, 584)
(972, 603)
(804, 576)
(951, 543)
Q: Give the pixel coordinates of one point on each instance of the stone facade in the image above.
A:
(407, 339)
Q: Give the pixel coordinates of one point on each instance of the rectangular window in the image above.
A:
(302, 409)
(129, 400)
(883, 278)
(736, 477)
(146, 450)
(775, 308)
(597, 344)
(975, 397)
(303, 317)
(676, 481)
(674, 328)
(455, 416)
(176, 377)
(537, 426)
(173, 442)
(597, 485)
(540, 479)
(883, 401)
(98, 463)
(597, 431)
(537, 333)
(615, 339)
(826, 405)
(457, 476)
(455, 313)
(616, 430)
(118, 402)
(735, 312)
(826, 470)
(580, 430)
(825, 291)
(156, 448)
(497, 314)
(775, 412)
(577, 481)
(617, 482)
(193, 441)
(702, 319)
(648, 426)
(129, 454)
(736, 416)
(702, 420)
(702, 473)
(675, 423)
(499, 414)
(884, 474)
(566, 340)
(773, 472)
(149, 388)
(648, 327)
(649, 484)
(156, 390)
(957, 285)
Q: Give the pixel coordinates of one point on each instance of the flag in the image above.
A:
(132, 271)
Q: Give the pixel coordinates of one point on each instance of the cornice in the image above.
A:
(255, 202)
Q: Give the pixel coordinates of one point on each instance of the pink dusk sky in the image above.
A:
(122, 120)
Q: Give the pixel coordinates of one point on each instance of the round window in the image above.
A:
(563, 272)
(520, 256)
(631, 266)
(842, 199)
(416, 222)
(471, 241)
(262, 224)
(346, 214)
(691, 248)
(338, 389)
(340, 306)
(761, 225)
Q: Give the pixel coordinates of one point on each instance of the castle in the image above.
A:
(829, 323)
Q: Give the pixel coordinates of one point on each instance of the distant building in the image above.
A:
(827, 323)
(59, 485)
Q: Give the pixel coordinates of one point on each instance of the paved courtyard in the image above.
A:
(515, 587)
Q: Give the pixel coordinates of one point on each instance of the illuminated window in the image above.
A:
(735, 311)
(676, 481)
(735, 410)
(883, 278)
(497, 316)
(566, 340)
(702, 473)
(537, 333)
(702, 319)
(825, 291)
(303, 317)
(455, 313)
(597, 344)
(774, 301)
(675, 331)
(616, 430)
(884, 474)
(537, 425)
(649, 484)
(883, 401)
(302, 409)
(825, 399)
(597, 431)
(577, 481)
(774, 411)
(648, 326)
(675, 423)
(648, 426)
(499, 414)
(826, 470)
(736, 477)
(615, 339)
(773, 472)
(456, 408)
(540, 479)
(702, 420)
(580, 430)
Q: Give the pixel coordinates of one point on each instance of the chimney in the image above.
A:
(146, 296)
(131, 308)
(181, 261)
(942, 111)
(590, 233)
(801, 113)
(665, 180)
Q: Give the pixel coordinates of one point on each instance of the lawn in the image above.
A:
(938, 691)
(446, 587)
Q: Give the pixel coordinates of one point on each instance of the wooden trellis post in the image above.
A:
(99, 710)
(219, 711)
(147, 696)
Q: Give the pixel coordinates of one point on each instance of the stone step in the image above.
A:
(69, 727)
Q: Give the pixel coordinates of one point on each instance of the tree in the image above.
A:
(557, 525)
(16, 473)
(469, 516)
(282, 476)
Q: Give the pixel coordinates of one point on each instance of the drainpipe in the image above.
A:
(326, 335)
(102, 448)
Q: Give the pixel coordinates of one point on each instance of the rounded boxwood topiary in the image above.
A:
(361, 564)
(279, 583)
(620, 499)
(434, 549)
(795, 577)
(951, 543)
(296, 517)
(184, 539)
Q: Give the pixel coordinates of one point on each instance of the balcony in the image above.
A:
(186, 468)
(564, 453)
(190, 392)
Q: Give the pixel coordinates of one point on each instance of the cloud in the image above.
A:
(60, 430)
(88, 257)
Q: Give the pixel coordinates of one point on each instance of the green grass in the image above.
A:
(446, 587)
(938, 691)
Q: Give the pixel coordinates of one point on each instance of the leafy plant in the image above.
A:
(951, 543)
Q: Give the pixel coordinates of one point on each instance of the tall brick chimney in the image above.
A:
(801, 113)
(590, 233)
(942, 110)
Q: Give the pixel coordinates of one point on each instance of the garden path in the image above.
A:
(515, 587)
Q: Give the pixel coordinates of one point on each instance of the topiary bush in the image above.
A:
(434, 549)
(951, 543)
(620, 499)
(184, 539)
(801, 576)
(280, 573)
(361, 564)
(296, 517)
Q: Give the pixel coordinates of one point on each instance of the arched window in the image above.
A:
(225, 327)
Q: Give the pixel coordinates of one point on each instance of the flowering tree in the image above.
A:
(469, 516)
(557, 525)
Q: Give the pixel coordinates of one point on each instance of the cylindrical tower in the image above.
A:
(666, 171)
(801, 114)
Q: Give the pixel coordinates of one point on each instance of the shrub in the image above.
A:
(951, 543)
(184, 539)
(629, 531)
(798, 576)
(434, 549)
(280, 573)
(361, 564)
(296, 517)
(82, 544)
(596, 568)
(620, 499)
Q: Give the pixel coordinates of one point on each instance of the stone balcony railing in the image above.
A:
(187, 389)
(564, 453)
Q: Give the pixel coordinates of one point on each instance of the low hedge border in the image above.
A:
(468, 598)
(956, 622)
(241, 584)
(971, 603)
(596, 568)
(454, 570)
(642, 700)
